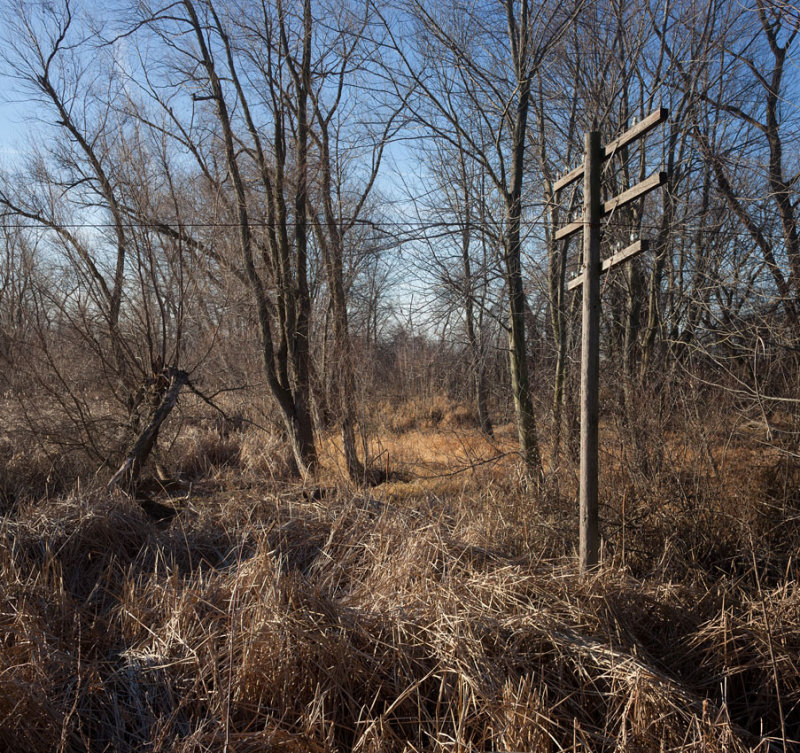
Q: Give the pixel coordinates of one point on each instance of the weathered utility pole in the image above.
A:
(589, 278)
(590, 354)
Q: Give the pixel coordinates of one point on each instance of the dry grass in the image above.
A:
(440, 612)
(440, 412)
(266, 622)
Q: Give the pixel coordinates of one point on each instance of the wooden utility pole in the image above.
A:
(590, 355)
(589, 278)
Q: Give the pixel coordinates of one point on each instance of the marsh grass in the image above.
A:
(264, 621)
(441, 611)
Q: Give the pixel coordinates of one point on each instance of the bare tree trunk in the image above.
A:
(332, 252)
(332, 232)
(662, 247)
(478, 371)
(287, 369)
(473, 339)
(556, 279)
(520, 383)
(299, 338)
(128, 473)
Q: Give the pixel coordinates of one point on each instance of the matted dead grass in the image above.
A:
(440, 611)
(263, 621)
(427, 449)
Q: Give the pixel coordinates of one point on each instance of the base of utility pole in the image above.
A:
(590, 357)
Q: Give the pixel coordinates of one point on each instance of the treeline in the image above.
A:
(318, 204)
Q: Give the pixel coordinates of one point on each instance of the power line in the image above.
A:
(450, 225)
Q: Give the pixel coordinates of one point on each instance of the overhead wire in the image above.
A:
(451, 225)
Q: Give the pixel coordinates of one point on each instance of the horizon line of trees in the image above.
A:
(252, 192)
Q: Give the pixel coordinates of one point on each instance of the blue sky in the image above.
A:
(14, 125)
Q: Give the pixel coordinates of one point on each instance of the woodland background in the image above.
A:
(323, 234)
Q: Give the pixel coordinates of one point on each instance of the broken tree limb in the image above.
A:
(128, 473)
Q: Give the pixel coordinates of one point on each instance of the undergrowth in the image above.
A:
(440, 611)
(263, 619)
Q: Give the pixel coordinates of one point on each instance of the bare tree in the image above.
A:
(339, 138)
(483, 60)
(118, 295)
(459, 256)
(733, 299)
(267, 169)
(751, 51)
(17, 283)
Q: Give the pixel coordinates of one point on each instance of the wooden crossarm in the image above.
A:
(571, 176)
(573, 227)
(626, 197)
(658, 115)
(634, 249)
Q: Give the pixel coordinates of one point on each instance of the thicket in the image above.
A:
(323, 235)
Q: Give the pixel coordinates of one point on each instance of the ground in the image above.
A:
(439, 611)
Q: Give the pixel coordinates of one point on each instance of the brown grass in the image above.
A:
(439, 612)
(440, 412)
(271, 623)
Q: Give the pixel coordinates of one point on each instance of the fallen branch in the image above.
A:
(128, 473)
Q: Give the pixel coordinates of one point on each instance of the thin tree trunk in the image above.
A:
(292, 305)
(518, 361)
(476, 352)
(128, 473)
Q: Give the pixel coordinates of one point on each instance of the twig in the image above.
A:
(768, 628)
(469, 467)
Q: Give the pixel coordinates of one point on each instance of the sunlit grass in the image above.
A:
(441, 610)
